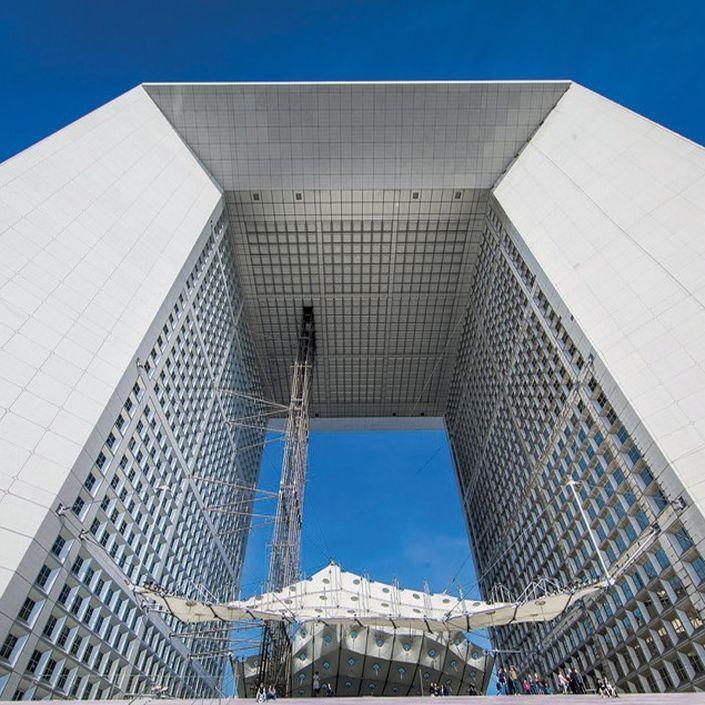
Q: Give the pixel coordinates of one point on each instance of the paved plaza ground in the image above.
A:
(642, 699)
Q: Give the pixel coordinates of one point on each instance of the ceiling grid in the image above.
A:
(366, 200)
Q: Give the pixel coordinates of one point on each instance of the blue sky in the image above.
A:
(384, 503)
(60, 59)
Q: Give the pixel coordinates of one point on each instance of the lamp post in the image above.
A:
(573, 486)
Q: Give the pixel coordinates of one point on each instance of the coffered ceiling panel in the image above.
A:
(388, 273)
(367, 201)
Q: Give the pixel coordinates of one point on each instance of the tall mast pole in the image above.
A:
(286, 538)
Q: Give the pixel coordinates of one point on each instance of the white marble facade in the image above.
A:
(165, 243)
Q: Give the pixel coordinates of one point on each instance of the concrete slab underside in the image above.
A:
(638, 699)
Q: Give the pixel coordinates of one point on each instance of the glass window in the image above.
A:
(679, 668)
(8, 646)
(43, 576)
(699, 568)
(63, 676)
(683, 538)
(26, 609)
(49, 626)
(58, 545)
(659, 501)
(33, 661)
(63, 636)
(646, 477)
(49, 669)
(662, 558)
(76, 645)
(678, 627)
(695, 662)
(64, 594)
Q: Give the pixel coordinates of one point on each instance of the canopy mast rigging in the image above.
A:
(286, 538)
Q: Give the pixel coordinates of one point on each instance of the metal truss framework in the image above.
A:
(286, 537)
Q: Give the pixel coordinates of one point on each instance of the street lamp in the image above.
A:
(572, 484)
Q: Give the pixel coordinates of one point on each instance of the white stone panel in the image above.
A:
(611, 206)
(96, 223)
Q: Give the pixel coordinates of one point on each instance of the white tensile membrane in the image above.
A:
(334, 596)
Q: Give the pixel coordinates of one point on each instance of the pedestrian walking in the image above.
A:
(502, 681)
(514, 682)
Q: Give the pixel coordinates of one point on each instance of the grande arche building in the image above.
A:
(520, 262)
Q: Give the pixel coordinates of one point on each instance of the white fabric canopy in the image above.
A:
(334, 596)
